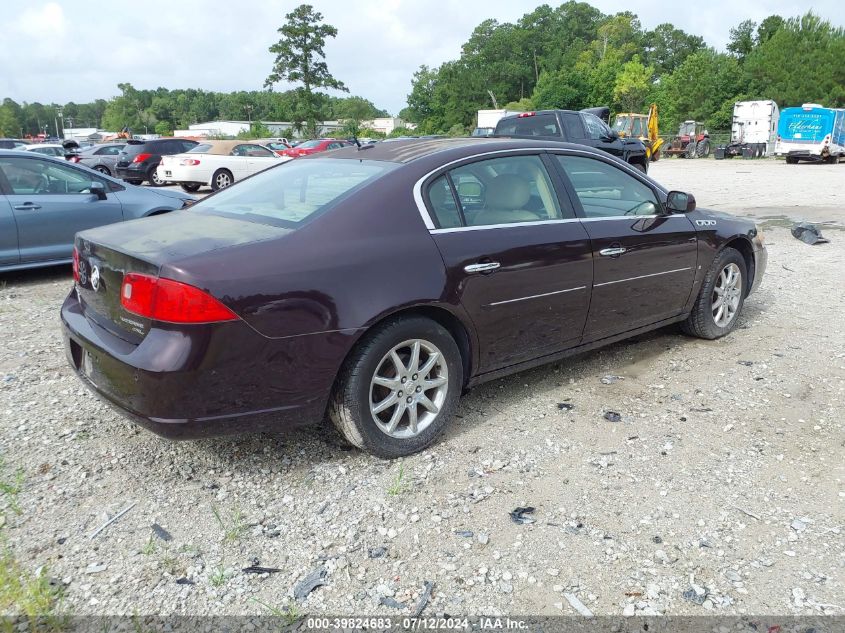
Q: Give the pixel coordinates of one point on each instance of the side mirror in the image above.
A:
(98, 190)
(680, 202)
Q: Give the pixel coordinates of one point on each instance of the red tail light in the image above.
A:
(140, 158)
(75, 264)
(171, 301)
(190, 162)
(74, 159)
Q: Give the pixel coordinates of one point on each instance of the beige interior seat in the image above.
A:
(506, 196)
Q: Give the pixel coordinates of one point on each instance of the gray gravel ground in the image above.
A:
(721, 490)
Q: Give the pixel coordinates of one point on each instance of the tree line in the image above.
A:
(161, 111)
(574, 56)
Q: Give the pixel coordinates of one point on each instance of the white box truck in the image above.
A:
(753, 130)
(487, 120)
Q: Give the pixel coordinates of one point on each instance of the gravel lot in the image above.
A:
(720, 491)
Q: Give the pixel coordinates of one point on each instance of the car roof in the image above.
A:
(406, 151)
(34, 145)
(224, 147)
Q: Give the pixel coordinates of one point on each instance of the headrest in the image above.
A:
(508, 191)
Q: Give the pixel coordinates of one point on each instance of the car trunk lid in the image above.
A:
(107, 253)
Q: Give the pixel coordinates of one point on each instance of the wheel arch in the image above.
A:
(455, 325)
(742, 244)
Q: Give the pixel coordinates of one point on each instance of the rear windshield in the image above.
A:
(537, 125)
(202, 148)
(295, 191)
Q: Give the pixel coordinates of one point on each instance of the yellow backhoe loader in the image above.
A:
(643, 127)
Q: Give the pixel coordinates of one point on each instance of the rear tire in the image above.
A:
(702, 149)
(135, 182)
(103, 170)
(791, 160)
(370, 378)
(221, 179)
(190, 187)
(153, 178)
(705, 320)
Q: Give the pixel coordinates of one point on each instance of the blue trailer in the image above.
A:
(811, 132)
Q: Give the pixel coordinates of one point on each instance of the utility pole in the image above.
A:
(56, 121)
(248, 109)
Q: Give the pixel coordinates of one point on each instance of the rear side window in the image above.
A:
(290, 194)
(202, 148)
(537, 125)
(572, 127)
(112, 150)
(443, 204)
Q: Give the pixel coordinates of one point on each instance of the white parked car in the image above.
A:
(217, 164)
(46, 149)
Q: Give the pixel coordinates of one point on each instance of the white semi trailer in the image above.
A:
(753, 130)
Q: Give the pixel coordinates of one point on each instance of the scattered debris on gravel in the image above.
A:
(721, 489)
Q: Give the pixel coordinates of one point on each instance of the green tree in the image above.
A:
(768, 27)
(741, 41)
(801, 62)
(300, 58)
(163, 128)
(566, 89)
(666, 47)
(633, 84)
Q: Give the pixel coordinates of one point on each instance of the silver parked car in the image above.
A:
(101, 158)
(44, 201)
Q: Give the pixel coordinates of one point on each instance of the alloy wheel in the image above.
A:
(726, 295)
(409, 388)
(222, 180)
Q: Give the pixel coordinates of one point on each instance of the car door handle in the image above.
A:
(612, 252)
(481, 268)
(29, 206)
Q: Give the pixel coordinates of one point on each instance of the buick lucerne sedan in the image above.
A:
(371, 286)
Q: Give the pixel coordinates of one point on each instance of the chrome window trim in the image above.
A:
(619, 281)
(482, 227)
(432, 227)
(545, 294)
(632, 217)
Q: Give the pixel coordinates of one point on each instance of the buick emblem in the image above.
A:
(95, 278)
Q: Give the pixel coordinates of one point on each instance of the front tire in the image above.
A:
(720, 300)
(399, 388)
(221, 179)
(640, 166)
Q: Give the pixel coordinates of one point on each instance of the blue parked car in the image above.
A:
(44, 201)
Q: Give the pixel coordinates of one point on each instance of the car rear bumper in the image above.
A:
(202, 381)
(182, 174)
(133, 171)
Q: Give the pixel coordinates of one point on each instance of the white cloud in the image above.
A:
(72, 51)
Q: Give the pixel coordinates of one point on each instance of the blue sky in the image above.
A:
(74, 50)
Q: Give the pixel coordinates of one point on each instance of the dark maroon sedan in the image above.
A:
(370, 286)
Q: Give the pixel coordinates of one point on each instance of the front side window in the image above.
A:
(502, 191)
(295, 191)
(114, 150)
(596, 128)
(27, 176)
(606, 191)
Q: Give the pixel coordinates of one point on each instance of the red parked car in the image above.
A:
(314, 146)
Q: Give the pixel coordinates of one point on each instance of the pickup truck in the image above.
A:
(574, 127)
